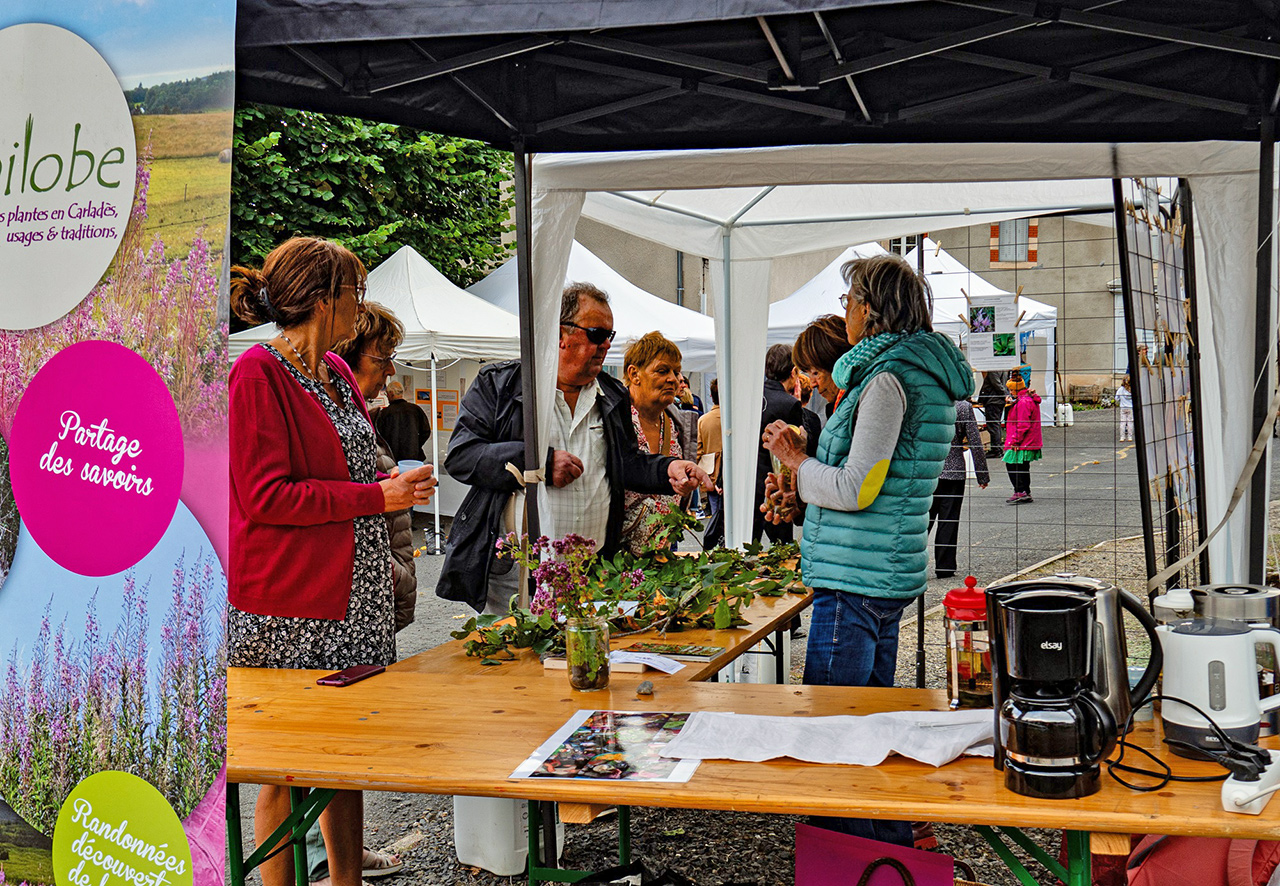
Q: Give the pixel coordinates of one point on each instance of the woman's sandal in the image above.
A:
(380, 864)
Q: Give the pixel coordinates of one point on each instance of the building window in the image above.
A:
(903, 245)
(1014, 243)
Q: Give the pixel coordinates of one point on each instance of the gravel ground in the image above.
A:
(710, 848)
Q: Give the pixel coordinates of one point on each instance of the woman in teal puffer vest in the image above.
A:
(869, 488)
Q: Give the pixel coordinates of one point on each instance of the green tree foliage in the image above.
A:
(211, 93)
(372, 186)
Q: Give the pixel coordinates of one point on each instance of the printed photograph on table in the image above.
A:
(613, 746)
(113, 368)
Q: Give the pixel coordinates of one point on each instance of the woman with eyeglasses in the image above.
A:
(309, 584)
(869, 488)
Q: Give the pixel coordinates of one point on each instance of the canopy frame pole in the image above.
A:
(1263, 336)
(435, 452)
(734, 537)
(528, 337)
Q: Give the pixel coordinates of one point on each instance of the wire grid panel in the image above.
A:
(1162, 370)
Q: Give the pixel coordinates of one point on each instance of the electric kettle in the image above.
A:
(1212, 663)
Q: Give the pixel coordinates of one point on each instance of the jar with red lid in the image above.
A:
(968, 646)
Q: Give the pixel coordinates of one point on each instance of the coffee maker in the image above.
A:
(1060, 682)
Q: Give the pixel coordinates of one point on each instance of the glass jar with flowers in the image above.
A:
(562, 573)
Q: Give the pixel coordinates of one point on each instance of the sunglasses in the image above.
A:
(597, 335)
(382, 361)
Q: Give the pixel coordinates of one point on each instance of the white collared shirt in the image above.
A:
(583, 505)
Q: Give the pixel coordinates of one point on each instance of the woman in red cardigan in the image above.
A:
(310, 578)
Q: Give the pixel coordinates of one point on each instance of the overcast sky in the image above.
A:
(144, 41)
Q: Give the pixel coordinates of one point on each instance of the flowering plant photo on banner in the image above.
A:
(115, 176)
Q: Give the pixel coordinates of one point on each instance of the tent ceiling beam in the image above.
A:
(839, 59)
(619, 106)
(674, 85)
(777, 50)
(1081, 78)
(924, 48)
(773, 101)
(1129, 27)
(483, 100)
(319, 65)
(672, 57)
(461, 62)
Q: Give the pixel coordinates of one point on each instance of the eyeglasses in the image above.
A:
(358, 289)
(844, 302)
(597, 335)
(383, 361)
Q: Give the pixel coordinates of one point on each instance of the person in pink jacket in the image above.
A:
(1022, 441)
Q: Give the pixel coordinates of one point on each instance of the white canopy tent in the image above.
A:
(950, 281)
(441, 322)
(803, 200)
(635, 311)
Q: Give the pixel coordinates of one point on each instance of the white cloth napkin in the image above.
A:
(933, 737)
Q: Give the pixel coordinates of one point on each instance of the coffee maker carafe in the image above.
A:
(1060, 681)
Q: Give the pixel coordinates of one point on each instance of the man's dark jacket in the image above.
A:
(488, 435)
(405, 428)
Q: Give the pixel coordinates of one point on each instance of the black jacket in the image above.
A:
(490, 433)
(405, 428)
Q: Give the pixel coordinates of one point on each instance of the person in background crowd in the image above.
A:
(1124, 399)
(1023, 439)
(686, 398)
(651, 368)
(864, 550)
(949, 496)
(817, 349)
(690, 406)
(309, 583)
(710, 446)
(403, 425)
(991, 397)
(779, 405)
(594, 456)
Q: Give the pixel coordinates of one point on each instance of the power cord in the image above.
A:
(1244, 761)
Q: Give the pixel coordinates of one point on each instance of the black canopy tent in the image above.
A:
(633, 74)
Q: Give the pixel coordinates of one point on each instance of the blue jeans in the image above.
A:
(853, 641)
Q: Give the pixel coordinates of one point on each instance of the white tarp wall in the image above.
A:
(635, 311)
(655, 196)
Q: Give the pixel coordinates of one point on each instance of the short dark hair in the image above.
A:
(715, 391)
(649, 347)
(898, 299)
(571, 299)
(820, 344)
(777, 363)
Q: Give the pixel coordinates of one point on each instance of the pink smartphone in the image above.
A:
(350, 675)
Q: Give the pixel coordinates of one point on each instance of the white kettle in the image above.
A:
(1212, 663)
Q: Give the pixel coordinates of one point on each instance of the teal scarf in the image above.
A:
(864, 353)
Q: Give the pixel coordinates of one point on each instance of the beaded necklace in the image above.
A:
(311, 375)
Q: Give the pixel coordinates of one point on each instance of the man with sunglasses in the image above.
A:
(592, 456)
(403, 424)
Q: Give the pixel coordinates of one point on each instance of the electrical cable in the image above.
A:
(1236, 757)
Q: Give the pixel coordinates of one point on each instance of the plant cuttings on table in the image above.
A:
(656, 591)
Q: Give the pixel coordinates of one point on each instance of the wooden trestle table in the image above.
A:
(405, 731)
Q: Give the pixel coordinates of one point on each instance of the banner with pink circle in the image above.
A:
(96, 458)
